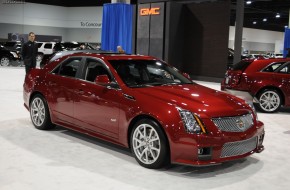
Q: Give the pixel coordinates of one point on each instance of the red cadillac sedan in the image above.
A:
(144, 104)
(266, 81)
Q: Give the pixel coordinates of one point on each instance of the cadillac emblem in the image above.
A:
(240, 124)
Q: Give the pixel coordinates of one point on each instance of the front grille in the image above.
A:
(238, 147)
(234, 124)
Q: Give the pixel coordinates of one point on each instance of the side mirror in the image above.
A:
(102, 80)
(105, 81)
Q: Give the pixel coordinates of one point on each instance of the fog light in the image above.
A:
(204, 153)
(200, 151)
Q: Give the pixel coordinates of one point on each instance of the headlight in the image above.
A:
(191, 122)
(14, 54)
(250, 103)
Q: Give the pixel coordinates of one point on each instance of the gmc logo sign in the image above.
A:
(149, 11)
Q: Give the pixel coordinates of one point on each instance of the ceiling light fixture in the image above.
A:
(249, 2)
(254, 22)
(277, 15)
(285, 26)
(264, 20)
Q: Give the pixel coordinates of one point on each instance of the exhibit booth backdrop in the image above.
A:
(117, 27)
(286, 42)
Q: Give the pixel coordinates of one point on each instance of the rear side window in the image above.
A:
(48, 46)
(69, 67)
(285, 69)
(242, 65)
(273, 67)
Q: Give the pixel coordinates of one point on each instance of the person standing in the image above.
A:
(29, 52)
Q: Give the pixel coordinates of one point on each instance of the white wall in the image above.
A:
(72, 23)
(259, 40)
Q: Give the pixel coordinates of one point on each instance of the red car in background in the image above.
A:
(267, 81)
(144, 104)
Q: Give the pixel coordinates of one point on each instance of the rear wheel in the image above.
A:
(270, 101)
(39, 113)
(4, 61)
(149, 144)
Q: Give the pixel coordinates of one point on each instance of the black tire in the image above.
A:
(145, 150)
(39, 113)
(270, 101)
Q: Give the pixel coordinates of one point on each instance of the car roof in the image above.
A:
(106, 55)
(259, 64)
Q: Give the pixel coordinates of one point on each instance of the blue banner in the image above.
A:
(117, 27)
(286, 42)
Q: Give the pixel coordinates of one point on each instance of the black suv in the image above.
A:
(7, 56)
(13, 45)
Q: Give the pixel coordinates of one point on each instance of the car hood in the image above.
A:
(198, 99)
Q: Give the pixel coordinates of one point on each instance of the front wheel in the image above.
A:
(39, 113)
(269, 101)
(4, 61)
(149, 144)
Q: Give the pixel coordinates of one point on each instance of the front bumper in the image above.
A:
(212, 149)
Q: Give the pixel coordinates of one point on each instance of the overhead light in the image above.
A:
(285, 26)
(249, 2)
(277, 15)
(264, 20)
(254, 22)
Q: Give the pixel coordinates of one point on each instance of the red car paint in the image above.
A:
(109, 113)
(256, 76)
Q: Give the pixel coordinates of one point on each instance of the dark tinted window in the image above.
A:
(140, 73)
(242, 65)
(69, 67)
(95, 68)
(285, 69)
(273, 67)
(48, 46)
(10, 44)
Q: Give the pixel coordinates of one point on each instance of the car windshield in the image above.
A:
(144, 73)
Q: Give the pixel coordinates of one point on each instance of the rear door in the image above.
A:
(282, 77)
(61, 88)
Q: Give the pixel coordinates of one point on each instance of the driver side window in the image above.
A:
(94, 69)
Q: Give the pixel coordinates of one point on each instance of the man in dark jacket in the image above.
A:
(29, 52)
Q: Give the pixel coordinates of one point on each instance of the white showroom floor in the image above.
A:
(61, 159)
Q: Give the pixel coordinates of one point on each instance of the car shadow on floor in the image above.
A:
(176, 169)
(64, 132)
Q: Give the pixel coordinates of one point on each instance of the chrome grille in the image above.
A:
(234, 124)
(238, 147)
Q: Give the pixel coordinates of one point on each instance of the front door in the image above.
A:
(96, 107)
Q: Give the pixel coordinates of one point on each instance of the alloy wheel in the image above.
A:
(37, 111)
(146, 144)
(270, 101)
(4, 61)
